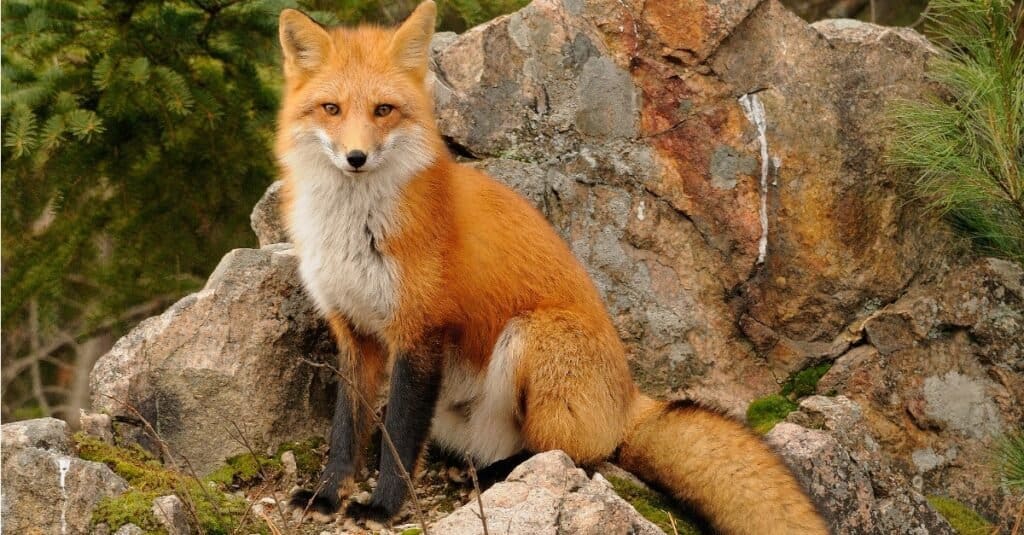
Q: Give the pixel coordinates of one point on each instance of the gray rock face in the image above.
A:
(607, 116)
(232, 352)
(170, 513)
(265, 219)
(894, 505)
(847, 491)
(547, 494)
(940, 377)
(129, 529)
(45, 488)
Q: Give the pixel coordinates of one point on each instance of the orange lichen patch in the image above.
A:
(682, 25)
(689, 123)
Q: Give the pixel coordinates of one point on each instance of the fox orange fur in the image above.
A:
(498, 341)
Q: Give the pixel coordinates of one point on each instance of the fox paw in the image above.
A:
(320, 508)
(376, 513)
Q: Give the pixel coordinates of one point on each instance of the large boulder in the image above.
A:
(671, 142)
(845, 491)
(548, 494)
(939, 377)
(46, 489)
(223, 367)
(844, 467)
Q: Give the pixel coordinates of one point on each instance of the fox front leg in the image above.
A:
(362, 362)
(415, 384)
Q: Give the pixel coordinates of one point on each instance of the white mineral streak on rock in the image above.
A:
(63, 464)
(754, 110)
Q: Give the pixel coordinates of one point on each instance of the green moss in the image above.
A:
(805, 382)
(244, 469)
(411, 531)
(134, 506)
(216, 512)
(137, 466)
(764, 413)
(655, 507)
(963, 519)
(308, 456)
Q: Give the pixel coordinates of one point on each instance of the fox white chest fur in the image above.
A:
(337, 222)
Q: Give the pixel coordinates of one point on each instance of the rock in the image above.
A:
(233, 354)
(547, 494)
(266, 217)
(129, 529)
(170, 513)
(97, 425)
(49, 434)
(45, 488)
(948, 354)
(623, 126)
(289, 464)
(845, 491)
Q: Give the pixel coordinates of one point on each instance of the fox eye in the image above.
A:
(383, 110)
(331, 109)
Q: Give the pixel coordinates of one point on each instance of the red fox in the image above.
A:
(497, 340)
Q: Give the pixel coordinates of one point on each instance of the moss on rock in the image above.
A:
(653, 506)
(215, 511)
(963, 519)
(764, 413)
(805, 382)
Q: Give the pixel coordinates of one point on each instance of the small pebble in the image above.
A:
(288, 462)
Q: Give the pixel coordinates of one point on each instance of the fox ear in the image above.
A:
(304, 42)
(411, 42)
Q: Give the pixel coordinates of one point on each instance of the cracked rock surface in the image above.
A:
(548, 494)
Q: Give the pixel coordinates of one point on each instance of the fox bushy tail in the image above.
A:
(727, 473)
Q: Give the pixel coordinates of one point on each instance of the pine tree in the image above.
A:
(136, 139)
(965, 147)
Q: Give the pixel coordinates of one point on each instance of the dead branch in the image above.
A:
(479, 499)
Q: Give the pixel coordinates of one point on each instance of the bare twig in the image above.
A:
(384, 433)
(240, 438)
(479, 499)
(274, 530)
(924, 16)
(672, 520)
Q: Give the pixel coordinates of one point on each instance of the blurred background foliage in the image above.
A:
(136, 139)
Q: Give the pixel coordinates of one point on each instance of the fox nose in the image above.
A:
(356, 158)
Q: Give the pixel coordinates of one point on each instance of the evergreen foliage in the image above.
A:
(1009, 452)
(136, 139)
(966, 147)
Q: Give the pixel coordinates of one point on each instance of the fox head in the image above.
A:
(358, 97)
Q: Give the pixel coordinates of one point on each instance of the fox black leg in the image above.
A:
(324, 499)
(415, 385)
